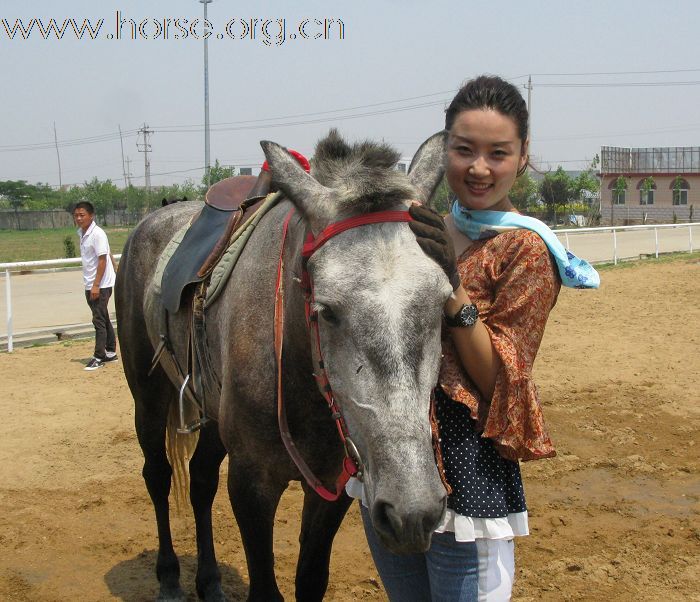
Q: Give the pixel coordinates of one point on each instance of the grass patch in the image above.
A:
(650, 259)
(34, 245)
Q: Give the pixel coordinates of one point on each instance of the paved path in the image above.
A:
(45, 300)
(598, 246)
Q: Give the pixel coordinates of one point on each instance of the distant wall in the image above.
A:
(35, 220)
(623, 215)
(58, 218)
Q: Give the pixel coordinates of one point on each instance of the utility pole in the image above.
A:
(55, 139)
(207, 160)
(127, 173)
(145, 148)
(529, 113)
(121, 140)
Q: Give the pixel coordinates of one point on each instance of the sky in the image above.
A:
(618, 73)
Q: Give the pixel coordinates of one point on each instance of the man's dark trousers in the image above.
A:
(104, 333)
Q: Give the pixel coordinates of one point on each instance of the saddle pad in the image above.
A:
(222, 271)
(190, 254)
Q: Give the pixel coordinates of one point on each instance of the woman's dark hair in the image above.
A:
(490, 92)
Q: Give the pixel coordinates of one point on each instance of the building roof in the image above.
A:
(668, 160)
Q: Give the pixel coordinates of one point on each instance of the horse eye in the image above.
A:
(327, 314)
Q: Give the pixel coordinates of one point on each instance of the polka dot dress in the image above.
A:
(484, 484)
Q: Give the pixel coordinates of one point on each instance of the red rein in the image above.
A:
(352, 462)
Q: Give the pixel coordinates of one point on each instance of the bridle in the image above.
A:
(352, 463)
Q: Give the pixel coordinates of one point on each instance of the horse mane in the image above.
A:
(363, 173)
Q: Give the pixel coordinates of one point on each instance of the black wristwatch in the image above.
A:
(467, 315)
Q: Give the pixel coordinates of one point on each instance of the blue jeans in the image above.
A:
(447, 572)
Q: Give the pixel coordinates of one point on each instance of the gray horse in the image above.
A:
(378, 300)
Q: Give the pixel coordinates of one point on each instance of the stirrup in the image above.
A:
(195, 425)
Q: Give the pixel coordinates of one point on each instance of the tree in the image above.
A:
(17, 193)
(677, 187)
(104, 195)
(587, 181)
(442, 198)
(619, 191)
(555, 189)
(523, 192)
(217, 172)
(648, 186)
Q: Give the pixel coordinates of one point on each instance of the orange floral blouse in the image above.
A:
(514, 283)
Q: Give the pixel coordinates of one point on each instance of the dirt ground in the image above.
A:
(613, 517)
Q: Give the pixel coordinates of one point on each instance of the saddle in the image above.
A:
(227, 205)
(198, 257)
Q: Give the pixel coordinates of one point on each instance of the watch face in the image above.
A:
(467, 315)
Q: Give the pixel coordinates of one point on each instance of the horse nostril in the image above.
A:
(385, 520)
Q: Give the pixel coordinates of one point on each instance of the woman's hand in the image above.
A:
(433, 238)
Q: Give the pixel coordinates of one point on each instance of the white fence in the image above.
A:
(595, 244)
(637, 244)
(29, 265)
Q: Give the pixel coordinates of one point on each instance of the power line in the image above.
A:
(66, 143)
(294, 116)
(586, 73)
(678, 128)
(618, 84)
(317, 115)
(308, 121)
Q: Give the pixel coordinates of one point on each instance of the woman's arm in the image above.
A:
(474, 347)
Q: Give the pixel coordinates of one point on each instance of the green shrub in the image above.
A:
(69, 247)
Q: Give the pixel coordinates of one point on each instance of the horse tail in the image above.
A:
(180, 448)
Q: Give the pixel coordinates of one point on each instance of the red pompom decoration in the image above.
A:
(301, 160)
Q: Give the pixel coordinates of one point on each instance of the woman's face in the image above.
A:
(484, 154)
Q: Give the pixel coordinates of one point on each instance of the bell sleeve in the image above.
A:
(525, 291)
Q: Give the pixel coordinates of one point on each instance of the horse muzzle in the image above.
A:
(406, 531)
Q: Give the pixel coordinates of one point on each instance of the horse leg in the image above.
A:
(204, 482)
(151, 420)
(254, 499)
(319, 523)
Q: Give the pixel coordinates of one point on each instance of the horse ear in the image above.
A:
(428, 166)
(297, 185)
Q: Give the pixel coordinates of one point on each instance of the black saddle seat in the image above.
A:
(207, 238)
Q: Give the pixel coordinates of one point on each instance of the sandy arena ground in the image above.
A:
(613, 517)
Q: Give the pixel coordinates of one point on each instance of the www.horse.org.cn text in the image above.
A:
(270, 32)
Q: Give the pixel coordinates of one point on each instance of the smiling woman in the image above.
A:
(505, 283)
(485, 155)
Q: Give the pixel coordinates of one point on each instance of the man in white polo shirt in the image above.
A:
(98, 278)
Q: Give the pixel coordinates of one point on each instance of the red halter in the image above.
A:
(352, 463)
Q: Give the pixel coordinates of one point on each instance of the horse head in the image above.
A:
(379, 303)
(165, 201)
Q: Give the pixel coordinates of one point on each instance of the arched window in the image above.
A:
(618, 196)
(646, 197)
(680, 188)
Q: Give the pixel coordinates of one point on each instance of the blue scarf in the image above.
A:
(477, 225)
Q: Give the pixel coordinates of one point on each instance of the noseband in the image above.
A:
(352, 463)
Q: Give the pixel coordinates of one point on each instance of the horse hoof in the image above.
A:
(214, 593)
(171, 595)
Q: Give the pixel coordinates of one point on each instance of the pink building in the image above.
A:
(661, 185)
